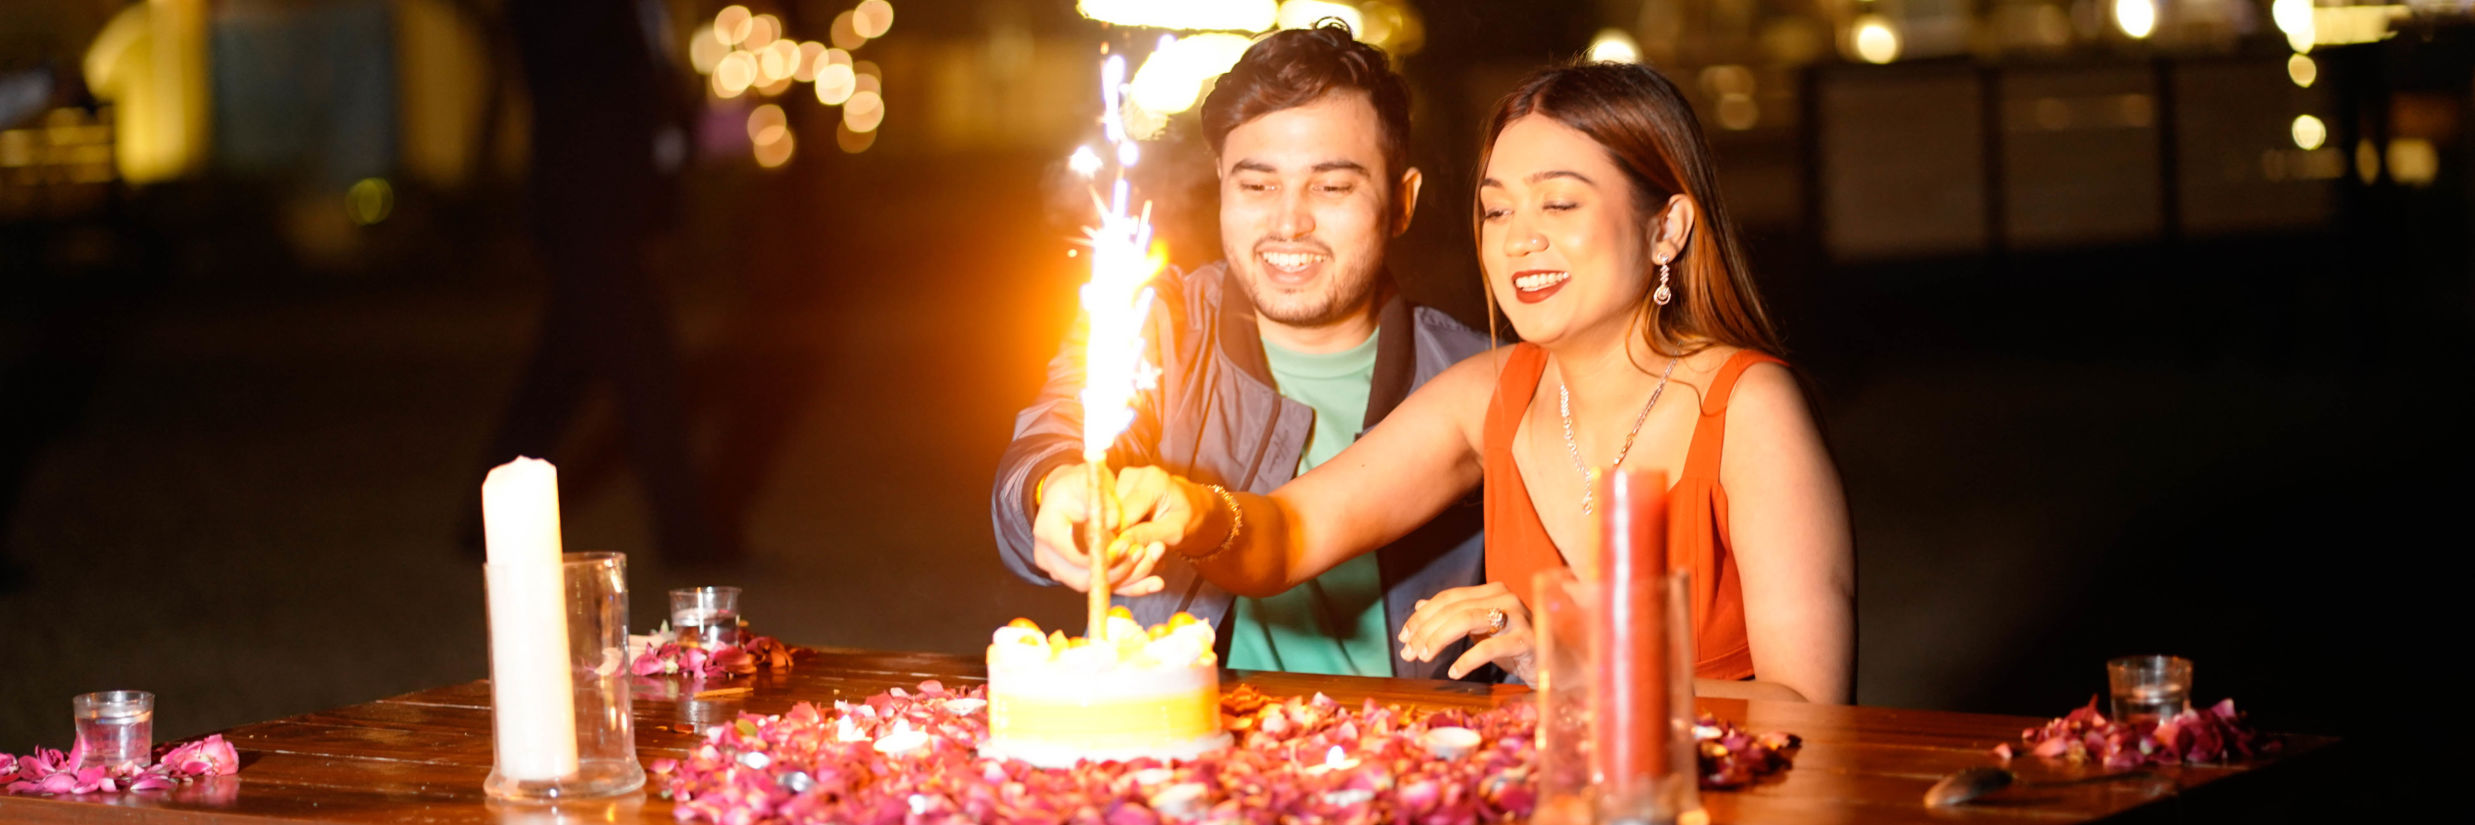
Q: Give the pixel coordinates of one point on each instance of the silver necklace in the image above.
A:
(1564, 407)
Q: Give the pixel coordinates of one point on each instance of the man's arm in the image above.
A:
(1049, 433)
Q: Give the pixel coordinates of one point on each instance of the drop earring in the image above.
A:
(1662, 295)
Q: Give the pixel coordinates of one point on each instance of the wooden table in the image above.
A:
(421, 757)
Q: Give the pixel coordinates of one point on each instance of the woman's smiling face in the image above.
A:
(1565, 248)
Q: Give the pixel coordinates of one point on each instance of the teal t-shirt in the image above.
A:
(1333, 623)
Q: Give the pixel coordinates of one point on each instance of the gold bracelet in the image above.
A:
(1237, 523)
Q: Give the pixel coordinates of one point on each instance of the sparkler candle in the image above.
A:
(1631, 697)
(1115, 303)
(531, 698)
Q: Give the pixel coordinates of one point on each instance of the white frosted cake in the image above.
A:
(1054, 700)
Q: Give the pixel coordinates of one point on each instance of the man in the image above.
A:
(1272, 361)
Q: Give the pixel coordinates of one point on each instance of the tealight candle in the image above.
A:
(1333, 760)
(903, 739)
(1449, 743)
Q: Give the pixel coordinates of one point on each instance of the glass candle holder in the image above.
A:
(559, 694)
(1613, 756)
(2146, 688)
(1559, 622)
(706, 617)
(115, 729)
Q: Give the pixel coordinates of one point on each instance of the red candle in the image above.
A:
(1629, 691)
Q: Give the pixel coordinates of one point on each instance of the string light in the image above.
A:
(742, 51)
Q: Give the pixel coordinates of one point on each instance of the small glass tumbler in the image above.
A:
(706, 617)
(2147, 688)
(115, 729)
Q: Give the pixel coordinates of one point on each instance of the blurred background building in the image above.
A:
(2136, 324)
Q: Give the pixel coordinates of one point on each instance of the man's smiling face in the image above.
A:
(1305, 206)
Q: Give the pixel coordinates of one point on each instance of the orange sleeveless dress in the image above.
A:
(1518, 546)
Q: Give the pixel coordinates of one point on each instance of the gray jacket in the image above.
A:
(1217, 418)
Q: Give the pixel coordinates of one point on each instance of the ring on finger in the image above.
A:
(1496, 620)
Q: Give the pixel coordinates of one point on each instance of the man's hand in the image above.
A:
(1056, 528)
(1469, 611)
(1164, 510)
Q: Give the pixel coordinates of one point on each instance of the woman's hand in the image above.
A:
(1470, 611)
(1065, 504)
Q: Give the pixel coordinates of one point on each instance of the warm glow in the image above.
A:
(834, 84)
(705, 50)
(844, 33)
(1875, 40)
(777, 60)
(1172, 78)
(2302, 69)
(371, 199)
(1738, 112)
(865, 111)
(2346, 25)
(2413, 161)
(1183, 15)
(1614, 46)
(767, 124)
(731, 25)
(866, 77)
(1118, 298)
(2294, 17)
(2309, 132)
(734, 74)
(1085, 162)
(761, 32)
(853, 142)
(811, 58)
(872, 18)
(773, 155)
(2137, 18)
(1300, 14)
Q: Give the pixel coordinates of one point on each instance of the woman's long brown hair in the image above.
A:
(1643, 122)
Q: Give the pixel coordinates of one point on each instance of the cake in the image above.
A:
(1054, 700)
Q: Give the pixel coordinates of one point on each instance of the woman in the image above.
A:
(1603, 241)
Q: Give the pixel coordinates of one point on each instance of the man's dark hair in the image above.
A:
(1296, 67)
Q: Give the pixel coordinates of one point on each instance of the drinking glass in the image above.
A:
(115, 729)
(706, 617)
(2149, 687)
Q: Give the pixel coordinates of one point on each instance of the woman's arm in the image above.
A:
(1418, 461)
(1788, 522)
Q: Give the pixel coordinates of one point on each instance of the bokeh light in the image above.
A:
(1085, 162)
(369, 201)
(2302, 69)
(1875, 40)
(865, 112)
(734, 74)
(731, 25)
(811, 58)
(2309, 132)
(767, 124)
(835, 83)
(774, 155)
(872, 18)
(705, 50)
(761, 32)
(1614, 46)
(844, 34)
(1172, 78)
(853, 142)
(2137, 18)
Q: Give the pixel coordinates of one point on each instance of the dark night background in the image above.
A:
(2110, 361)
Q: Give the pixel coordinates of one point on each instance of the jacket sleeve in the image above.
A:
(1049, 433)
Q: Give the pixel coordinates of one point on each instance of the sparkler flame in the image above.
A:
(1118, 298)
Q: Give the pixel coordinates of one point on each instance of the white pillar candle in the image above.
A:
(529, 670)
